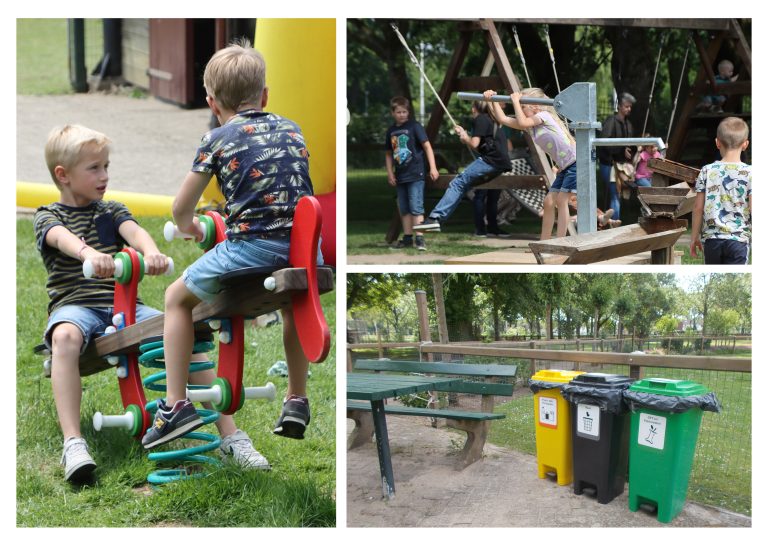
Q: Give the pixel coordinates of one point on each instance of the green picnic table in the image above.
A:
(375, 388)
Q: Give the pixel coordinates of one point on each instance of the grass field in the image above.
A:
(299, 491)
(371, 204)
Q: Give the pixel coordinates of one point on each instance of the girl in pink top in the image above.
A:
(550, 133)
(642, 173)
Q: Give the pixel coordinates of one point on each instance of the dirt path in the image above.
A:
(502, 489)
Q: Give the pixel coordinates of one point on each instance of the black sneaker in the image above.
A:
(170, 425)
(294, 418)
(481, 235)
(405, 243)
(421, 245)
(499, 234)
(429, 225)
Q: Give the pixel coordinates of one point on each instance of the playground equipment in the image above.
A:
(249, 292)
(578, 103)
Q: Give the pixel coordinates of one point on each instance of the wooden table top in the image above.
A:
(372, 386)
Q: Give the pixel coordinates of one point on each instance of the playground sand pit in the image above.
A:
(500, 490)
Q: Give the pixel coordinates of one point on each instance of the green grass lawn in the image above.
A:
(299, 491)
(371, 204)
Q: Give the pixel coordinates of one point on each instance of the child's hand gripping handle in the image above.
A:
(171, 232)
(88, 268)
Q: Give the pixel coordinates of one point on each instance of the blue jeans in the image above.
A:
(202, 277)
(410, 197)
(643, 182)
(486, 203)
(91, 321)
(725, 251)
(610, 190)
(476, 173)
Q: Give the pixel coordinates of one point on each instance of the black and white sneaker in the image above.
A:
(170, 424)
(429, 225)
(421, 245)
(294, 418)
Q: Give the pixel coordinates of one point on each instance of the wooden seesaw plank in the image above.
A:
(247, 298)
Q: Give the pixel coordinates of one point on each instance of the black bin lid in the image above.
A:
(602, 380)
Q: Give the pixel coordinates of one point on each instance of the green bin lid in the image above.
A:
(668, 387)
(555, 376)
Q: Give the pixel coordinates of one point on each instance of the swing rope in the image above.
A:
(421, 70)
(653, 83)
(552, 57)
(522, 57)
(677, 94)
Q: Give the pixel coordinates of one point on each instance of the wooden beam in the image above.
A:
(478, 83)
(742, 46)
(692, 24)
(716, 363)
(451, 75)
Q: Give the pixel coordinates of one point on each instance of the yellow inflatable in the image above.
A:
(35, 195)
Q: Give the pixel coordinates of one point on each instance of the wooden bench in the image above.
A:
(475, 423)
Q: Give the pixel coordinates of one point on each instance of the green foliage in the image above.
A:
(666, 325)
(299, 491)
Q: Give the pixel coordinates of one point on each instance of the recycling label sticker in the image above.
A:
(588, 421)
(548, 411)
(651, 431)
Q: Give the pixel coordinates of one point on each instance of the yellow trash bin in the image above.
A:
(552, 414)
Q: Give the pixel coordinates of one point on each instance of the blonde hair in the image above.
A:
(65, 146)
(235, 75)
(535, 92)
(732, 132)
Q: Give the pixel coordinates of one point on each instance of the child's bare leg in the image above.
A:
(548, 217)
(294, 357)
(178, 337)
(226, 423)
(66, 341)
(562, 213)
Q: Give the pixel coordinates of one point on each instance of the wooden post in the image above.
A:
(423, 312)
(378, 340)
(442, 323)
(349, 360)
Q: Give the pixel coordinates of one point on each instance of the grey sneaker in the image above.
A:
(77, 462)
(429, 225)
(171, 424)
(421, 245)
(238, 448)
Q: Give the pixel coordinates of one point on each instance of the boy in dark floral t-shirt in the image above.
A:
(261, 164)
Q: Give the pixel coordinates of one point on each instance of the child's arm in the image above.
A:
(391, 179)
(433, 173)
(499, 115)
(186, 200)
(155, 262)
(61, 239)
(698, 217)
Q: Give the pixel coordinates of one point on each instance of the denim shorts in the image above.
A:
(565, 180)
(202, 277)
(410, 197)
(92, 321)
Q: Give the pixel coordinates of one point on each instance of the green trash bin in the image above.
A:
(666, 416)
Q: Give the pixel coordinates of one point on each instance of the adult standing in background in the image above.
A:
(617, 125)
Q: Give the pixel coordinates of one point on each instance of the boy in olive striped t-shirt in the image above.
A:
(82, 226)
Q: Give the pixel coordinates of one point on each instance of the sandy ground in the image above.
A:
(500, 490)
(153, 142)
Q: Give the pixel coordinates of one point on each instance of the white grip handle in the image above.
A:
(213, 394)
(88, 268)
(112, 421)
(171, 232)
